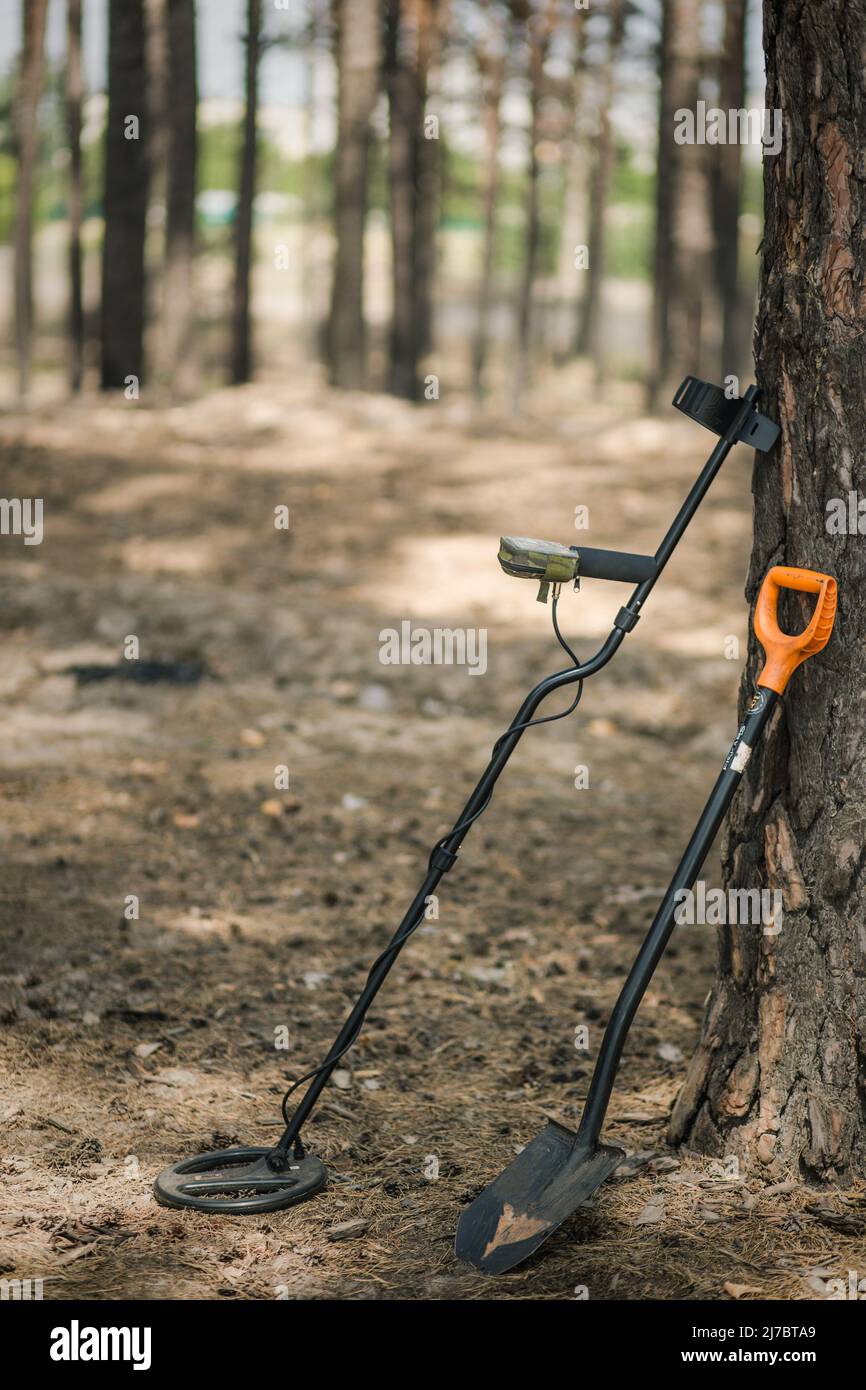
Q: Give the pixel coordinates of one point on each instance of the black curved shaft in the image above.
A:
(476, 801)
(664, 921)
(626, 619)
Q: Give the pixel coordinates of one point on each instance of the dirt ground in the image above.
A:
(128, 1043)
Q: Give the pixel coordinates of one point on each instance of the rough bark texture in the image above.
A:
(126, 194)
(589, 342)
(780, 1072)
(177, 357)
(27, 97)
(359, 64)
(74, 91)
(241, 349)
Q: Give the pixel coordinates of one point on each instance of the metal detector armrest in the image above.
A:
(716, 411)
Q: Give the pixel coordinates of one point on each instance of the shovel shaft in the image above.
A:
(663, 924)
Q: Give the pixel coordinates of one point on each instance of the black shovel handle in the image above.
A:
(657, 937)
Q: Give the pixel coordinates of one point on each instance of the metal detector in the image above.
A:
(262, 1179)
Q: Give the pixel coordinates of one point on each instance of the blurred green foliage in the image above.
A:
(630, 211)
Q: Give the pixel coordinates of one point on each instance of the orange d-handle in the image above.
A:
(784, 653)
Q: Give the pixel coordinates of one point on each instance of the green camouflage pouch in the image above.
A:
(544, 561)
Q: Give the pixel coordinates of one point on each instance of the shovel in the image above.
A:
(559, 1170)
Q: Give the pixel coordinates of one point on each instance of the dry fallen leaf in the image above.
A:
(347, 1230)
(652, 1212)
(185, 820)
(252, 738)
(740, 1290)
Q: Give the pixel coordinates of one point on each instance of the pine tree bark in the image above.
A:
(241, 343)
(589, 343)
(74, 92)
(177, 356)
(779, 1078)
(26, 109)
(125, 197)
(359, 65)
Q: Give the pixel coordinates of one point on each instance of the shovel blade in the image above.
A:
(534, 1195)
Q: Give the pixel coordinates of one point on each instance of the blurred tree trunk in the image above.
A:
(574, 198)
(28, 93)
(177, 357)
(540, 22)
(358, 35)
(411, 43)
(779, 1079)
(125, 197)
(309, 187)
(683, 234)
(74, 93)
(691, 278)
(241, 346)
(492, 60)
(430, 21)
(589, 340)
(727, 191)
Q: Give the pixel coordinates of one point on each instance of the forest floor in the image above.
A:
(130, 1042)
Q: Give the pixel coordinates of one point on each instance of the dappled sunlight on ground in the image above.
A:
(133, 1041)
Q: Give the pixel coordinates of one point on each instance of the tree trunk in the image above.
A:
(359, 66)
(574, 200)
(492, 61)
(539, 30)
(780, 1075)
(74, 92)
(413, 183)
(177, 357)
(241, 347)
(682, 208)
(589, 341)
(125, 197)
(27, 146)
(429, 175)
(727, 193)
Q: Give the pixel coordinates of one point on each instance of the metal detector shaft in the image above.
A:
(663, 924)
(444, 857)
